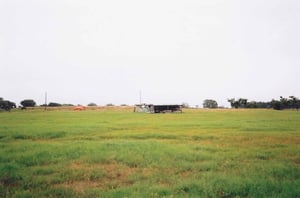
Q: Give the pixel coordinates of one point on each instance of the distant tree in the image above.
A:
(209, 103)
(110, 105)
(233, 103)
(294, 102)
(254, 104)
(240, 103)
(285, 103)
(92, 104)
(68, 105)
(7, 105)
(28, 103)
(276, 105)
(54, 104)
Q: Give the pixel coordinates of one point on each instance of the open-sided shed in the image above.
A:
(150, 108)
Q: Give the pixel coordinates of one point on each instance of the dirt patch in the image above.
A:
(79, 186)
(104, 176)
(8, 182)
(187, 174)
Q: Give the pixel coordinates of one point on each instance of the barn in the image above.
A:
(150, 108)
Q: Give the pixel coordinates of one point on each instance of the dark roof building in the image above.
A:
(150, 108)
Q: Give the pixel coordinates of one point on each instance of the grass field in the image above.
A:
(116, 153)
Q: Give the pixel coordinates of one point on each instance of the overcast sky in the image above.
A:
(174, 51)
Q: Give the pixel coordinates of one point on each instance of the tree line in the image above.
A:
(7, 105)
(291, 102)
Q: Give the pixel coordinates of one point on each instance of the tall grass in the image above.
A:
(117, 153)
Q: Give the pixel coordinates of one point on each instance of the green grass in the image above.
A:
(117, 153)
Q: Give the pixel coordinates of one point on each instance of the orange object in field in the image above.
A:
(79, 108)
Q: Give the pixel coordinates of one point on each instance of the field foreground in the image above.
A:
(117, 153)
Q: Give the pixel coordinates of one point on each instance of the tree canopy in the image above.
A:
(209, 103)
(28, 103)
(6, 104)
(54, 104)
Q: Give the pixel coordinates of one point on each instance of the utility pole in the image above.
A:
(140, 97)
(45, 101)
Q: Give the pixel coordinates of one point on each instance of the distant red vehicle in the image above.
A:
(79, 108)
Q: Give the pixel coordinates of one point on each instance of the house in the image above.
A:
(150, 108)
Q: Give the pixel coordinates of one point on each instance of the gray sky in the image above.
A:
(173, 50)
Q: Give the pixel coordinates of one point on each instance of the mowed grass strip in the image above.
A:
(117, 153)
